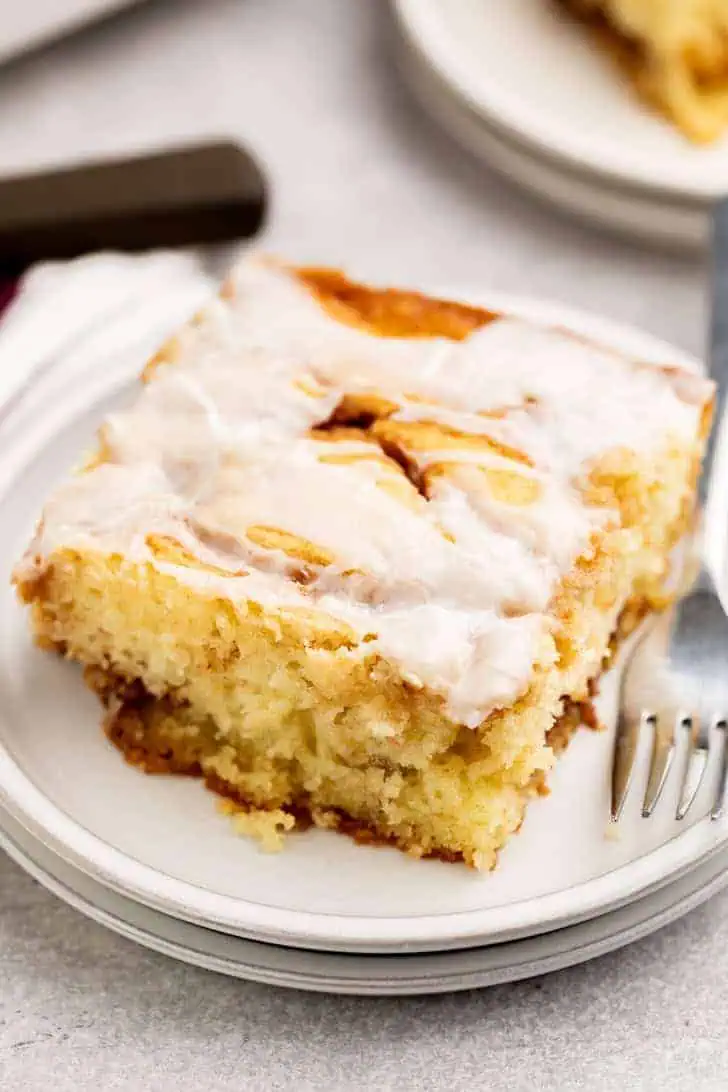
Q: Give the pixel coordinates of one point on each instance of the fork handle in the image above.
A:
(718, 353)
(712, 492)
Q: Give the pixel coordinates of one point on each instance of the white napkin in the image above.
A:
(105, 310)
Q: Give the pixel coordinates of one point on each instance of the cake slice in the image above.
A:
(356, 556)
(676, 53)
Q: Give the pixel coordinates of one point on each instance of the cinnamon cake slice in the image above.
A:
(675, 53)
(354, 553)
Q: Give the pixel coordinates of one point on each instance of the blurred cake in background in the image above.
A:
(675, 52)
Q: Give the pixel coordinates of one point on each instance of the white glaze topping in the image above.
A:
(453, 585)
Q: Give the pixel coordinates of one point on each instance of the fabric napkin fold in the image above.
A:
(102, 310)
(7, 291)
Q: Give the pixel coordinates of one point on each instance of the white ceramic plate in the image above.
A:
(636, 213)
(28, 25)
(538, 78)
(162, 842)
(331, 972)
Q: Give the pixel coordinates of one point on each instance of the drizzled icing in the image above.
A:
(222, 450)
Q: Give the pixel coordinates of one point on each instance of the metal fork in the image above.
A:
(676, 681)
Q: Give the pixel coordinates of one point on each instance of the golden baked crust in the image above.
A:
(383, 617)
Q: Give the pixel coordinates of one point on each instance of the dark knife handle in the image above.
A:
(181, 197)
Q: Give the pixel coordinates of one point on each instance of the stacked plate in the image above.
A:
(152, 858)
(523, 88)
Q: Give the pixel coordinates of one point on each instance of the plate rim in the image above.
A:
(603, 203)
(422, 24)
(584, 945)
(116, 870)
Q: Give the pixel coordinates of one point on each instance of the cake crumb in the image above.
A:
(267, 827)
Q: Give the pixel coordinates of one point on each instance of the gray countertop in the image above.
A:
(360, 179)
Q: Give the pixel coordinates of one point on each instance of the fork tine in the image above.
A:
(663, 756)
(625, 749)
(695, 765)
(720, 793)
